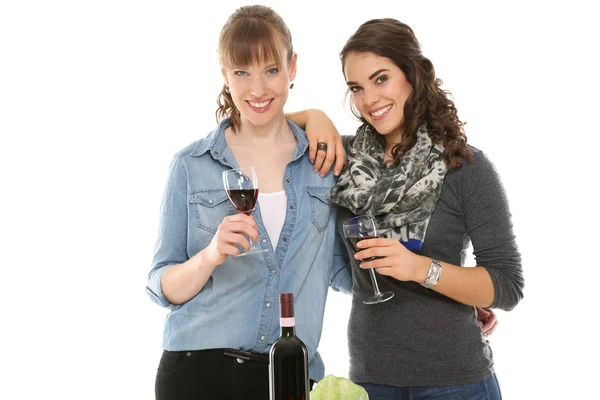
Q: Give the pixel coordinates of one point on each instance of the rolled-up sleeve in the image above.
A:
(341, 275)
(341, 272)
(171, 243)
(489, 225)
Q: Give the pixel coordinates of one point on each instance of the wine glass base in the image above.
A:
(378, 298)
(250, 252)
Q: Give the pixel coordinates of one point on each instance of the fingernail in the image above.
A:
(336, 172)
(322, 174)
(355, 256)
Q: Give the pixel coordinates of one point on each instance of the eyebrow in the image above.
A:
(373, 75)
(238, 68)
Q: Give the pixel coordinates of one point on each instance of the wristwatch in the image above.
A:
(433, 275)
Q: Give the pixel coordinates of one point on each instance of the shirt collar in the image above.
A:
(216, 144)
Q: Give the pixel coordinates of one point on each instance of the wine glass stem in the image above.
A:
(374, 281)
(252, 244)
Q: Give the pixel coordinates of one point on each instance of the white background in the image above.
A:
(97, 96)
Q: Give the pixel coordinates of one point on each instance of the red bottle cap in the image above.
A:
(286, 305)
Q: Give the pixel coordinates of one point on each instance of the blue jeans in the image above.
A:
(484, 390)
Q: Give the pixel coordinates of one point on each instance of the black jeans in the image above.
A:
(210, 374)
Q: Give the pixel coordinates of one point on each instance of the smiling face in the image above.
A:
(259, 90)
(379, 91)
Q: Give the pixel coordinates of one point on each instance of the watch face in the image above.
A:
(437, 272)
(433, 275)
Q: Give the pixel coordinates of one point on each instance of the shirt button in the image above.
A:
(285, 239)
(225, 159)
(268, 304)
(288, 180)
(211, 201)
(264, 240)
(189, 354)
(273, 271)
(262, 337)
(291, 207)
(240, 361)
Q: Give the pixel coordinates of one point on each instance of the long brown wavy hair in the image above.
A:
(252, 34)
(427, 103)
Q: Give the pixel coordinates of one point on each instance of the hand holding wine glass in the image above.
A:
(241, 185)
(391, 258)
(235, 232)
(360, 228)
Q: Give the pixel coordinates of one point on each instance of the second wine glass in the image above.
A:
(360, 228)
(241, 185)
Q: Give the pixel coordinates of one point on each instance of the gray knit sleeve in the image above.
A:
(488, 223)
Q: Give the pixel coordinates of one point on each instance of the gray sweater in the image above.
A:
(420, 337)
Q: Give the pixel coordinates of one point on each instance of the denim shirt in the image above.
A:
(239, 305)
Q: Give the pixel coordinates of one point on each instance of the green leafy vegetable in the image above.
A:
(338, 388)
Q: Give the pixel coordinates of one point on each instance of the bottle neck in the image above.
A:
(287, 331)
(287, 322)
(288, 326)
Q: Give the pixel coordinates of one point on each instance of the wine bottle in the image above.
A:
(288, 358)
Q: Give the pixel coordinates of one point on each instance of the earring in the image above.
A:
(292, 86)
(227, 89)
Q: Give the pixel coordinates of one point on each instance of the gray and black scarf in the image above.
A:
(402, 197)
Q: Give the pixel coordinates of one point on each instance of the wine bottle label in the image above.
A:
(287, 322)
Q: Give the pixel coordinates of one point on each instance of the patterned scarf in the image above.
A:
(401, 197)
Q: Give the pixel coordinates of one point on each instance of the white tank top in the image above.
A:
(272, 210)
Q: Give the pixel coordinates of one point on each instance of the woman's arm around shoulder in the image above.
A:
(320, 129)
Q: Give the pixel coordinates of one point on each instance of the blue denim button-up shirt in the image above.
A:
(239, 305)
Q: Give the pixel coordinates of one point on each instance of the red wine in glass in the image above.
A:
(241, 186)
(354, 241)
(243, 200)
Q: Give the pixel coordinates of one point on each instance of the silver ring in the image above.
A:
(322, 146)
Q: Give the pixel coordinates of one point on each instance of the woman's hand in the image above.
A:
(393, 260)
(229, 234)
(487, 320)
(319, 128)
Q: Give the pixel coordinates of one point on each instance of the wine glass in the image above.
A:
(241, 185)
(360, 228)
